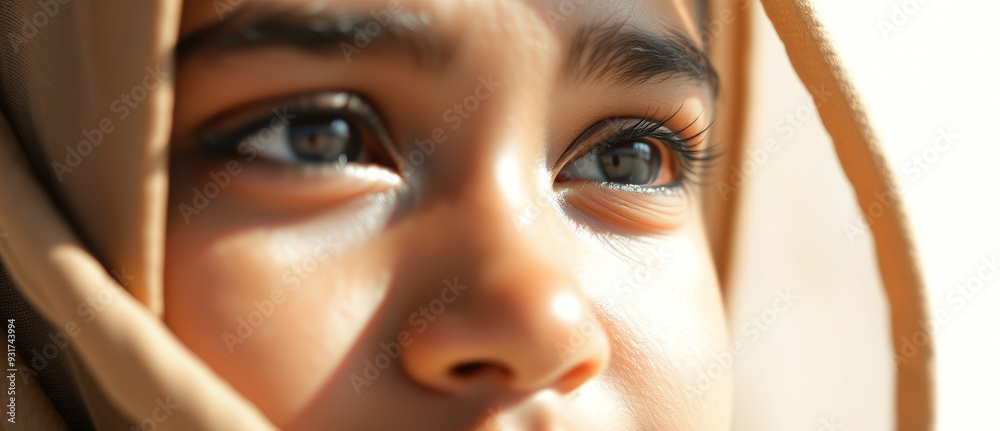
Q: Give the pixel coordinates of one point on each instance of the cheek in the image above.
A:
(660, 303)
(272, 308)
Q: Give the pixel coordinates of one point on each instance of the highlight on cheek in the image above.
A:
(638, 211)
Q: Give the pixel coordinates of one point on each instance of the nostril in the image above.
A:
(469, 369)
(478, 369)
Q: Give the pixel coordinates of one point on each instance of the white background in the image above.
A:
(940, 68)
(923, 66)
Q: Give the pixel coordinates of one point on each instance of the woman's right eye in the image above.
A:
(320, 139)
(330, 129)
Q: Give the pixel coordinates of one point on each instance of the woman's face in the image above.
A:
(448, 215)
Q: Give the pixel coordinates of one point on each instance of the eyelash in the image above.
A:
(355, 108)
(693, 162)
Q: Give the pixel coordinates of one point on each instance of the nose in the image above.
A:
(515, 321)
(526, 331)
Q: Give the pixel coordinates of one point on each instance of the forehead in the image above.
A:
(561, 17)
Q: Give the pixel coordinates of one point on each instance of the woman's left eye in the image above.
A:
(636, 153)
(631, 162)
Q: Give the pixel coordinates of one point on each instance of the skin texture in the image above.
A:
(523, 302)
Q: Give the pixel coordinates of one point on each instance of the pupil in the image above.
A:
(323, 140)
(631, 163)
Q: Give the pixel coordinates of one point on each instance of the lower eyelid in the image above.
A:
(652, 210)
(292, 188)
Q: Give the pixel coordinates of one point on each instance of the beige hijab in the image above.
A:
(79, 237)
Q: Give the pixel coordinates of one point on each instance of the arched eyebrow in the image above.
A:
(604, 51)
(324, 29)
(613, 51)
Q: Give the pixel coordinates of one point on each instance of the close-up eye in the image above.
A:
(327, 129)
(644, 153)
(634, 162)
(321, 139)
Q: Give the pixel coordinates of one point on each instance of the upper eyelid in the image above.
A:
(579, 147)
(689, 159)
(609, 128)
(303, 102)
(333, 102)
(355, 104)
(222, 141)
